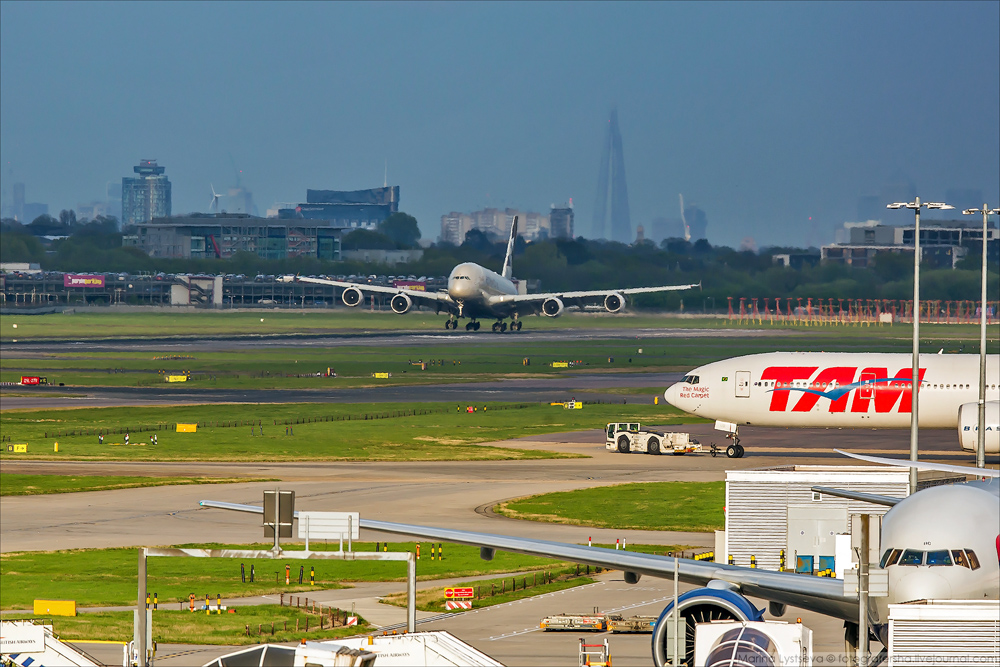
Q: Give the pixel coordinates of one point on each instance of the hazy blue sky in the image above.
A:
(762, 114)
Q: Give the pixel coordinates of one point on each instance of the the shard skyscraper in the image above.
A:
(612, 222)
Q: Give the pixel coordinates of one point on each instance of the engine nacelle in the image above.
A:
(968, 426)
(400, 303)
(614, 302)
(552, 307)
(701, 605)
(352, 296)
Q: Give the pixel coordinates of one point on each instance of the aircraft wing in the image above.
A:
(924, 465)
(441, 300)
(580, 298)
(820, 594)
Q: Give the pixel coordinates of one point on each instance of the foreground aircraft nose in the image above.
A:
(670, 395)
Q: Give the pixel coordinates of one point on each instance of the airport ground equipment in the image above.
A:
(724, 643)
(944, 632)
(632, 624)
(625, 437)
(30, 643)
(413, 649)
(595, 622)
(595, 655)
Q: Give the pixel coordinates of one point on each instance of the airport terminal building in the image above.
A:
(222, 235)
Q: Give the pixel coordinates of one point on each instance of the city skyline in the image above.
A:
(776, 131)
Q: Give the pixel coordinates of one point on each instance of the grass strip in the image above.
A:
(13, 484)
(247, 625)
(311, 431)
(107, 577)
(498, 591)
(489, 592)
(681, 506)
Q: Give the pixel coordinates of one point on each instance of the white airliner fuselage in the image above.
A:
(475, 292)
(847, 390)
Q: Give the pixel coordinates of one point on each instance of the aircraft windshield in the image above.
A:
(691, 379)
(961, 557)
(938, 557)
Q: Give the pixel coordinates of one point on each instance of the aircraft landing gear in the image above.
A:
(472, 326)
(734, 451)
(451, 323)
(499, 326)
(515, 325)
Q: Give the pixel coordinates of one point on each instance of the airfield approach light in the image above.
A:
(981, 425)
(916, 205)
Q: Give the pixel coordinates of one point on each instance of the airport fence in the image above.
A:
(817, 311)
(237, 423)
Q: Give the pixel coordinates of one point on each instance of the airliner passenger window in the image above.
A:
(912, 557)
(938, 557)
(889, 558)
(973, 559)
(959, 556)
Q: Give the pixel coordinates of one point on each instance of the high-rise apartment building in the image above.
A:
(561, 221)
(147, 195)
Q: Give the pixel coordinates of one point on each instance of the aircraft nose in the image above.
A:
(460, 289)
(923, 584)
(670, 395)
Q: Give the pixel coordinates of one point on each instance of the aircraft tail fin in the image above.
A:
(508, 261)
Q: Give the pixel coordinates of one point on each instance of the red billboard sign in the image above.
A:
(30, 379)
(74, 280)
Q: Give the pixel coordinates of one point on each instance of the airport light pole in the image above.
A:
(981, 426)
(916, 205)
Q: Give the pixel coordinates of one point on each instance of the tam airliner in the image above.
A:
(844, 390)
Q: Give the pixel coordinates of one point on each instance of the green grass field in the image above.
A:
(374, 432)
(683, 506)
(482, 359)
(497, 591)
(107, 577)
(13, 484)
(183, 627)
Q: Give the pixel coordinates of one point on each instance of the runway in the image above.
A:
(507, 390)
(30, 349)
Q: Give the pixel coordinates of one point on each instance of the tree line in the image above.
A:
(559, 264)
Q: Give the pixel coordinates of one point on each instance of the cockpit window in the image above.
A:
(889, 558)
(973, 559)
(912, 557)
(938, 557)
(959, 557)
(691, 379)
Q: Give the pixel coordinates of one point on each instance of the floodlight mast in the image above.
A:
(981, 424)
(916, 205)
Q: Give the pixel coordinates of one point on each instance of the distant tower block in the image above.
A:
(640, 234)
(612, 222)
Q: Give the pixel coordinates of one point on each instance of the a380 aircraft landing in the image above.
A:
(845, 390)
(477, 293)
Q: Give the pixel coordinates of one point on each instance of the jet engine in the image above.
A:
(701, 605)
(552, 307)
(968, 426)
(400, 303)
(614, 302)
(352, 296)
